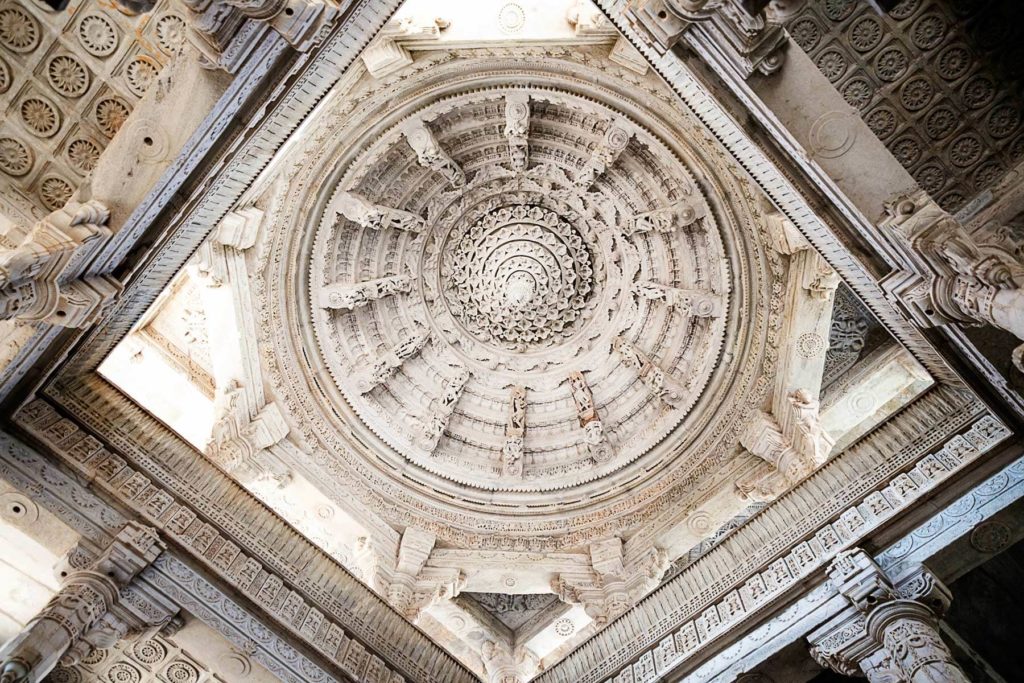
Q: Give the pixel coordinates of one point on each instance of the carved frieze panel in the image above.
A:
(926, 78)
(68, 81)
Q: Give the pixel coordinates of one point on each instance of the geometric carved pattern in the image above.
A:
(925, 78)
(157, 660)
(68, 81)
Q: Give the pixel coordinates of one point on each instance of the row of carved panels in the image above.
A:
(923, 81)
(67, 83)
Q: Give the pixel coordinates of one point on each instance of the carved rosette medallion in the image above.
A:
(520, 276)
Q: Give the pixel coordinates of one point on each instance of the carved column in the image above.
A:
(890, 631)
(950, 275)
(87, 612)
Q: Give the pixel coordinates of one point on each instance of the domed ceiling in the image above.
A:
(508, 295)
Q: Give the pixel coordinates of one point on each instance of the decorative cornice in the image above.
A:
(285, 586)
(707, 610)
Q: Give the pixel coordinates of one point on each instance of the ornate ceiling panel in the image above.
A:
(68, 81)
(929, 78)
(501, 275)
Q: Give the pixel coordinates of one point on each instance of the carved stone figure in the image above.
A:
(450, 393)
(382, 370)
(615, 140)
(593, 429)
(360, 294)
(430, 154)
(517, 129)
(693, 302)
(682, 214)
(515, 430)
(374, 216)
(660, 384)
(38, 277)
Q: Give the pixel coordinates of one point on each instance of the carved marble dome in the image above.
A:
(486, 319)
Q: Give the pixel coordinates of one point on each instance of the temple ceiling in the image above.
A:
(504, 331)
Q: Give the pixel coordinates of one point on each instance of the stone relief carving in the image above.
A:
(922, 83)
(384, 368)
(517, 129)
(515, 432)
(240, 439)
(39, 277)
(430, 154)
(91, 97)
(374, 216)
(145, 661)
(951, 276)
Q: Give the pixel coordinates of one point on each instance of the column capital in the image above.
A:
(890, 629)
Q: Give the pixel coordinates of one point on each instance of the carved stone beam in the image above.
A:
(239, 228)
(613, 585)
(387, 54)
(241, 441)
(889, 632)
(87, 611)
(685, 213)
(809, 302)
(386, 367)
(352, 296)
(517, 129)
(624, 54)
(39, 278)
(695, 302)
(739, 32)
(507, 664)
(374, 216)
(794, 446)
(588, 21)
(217, 26)
(661, 385)
(451, 392)
(950, 276)
(404, 580)
(515, 432)
(430, 154)
(594, 436)
(614, 142)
